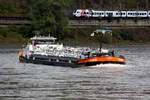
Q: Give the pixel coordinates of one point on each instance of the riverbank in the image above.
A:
(16, 37)
(90, 43)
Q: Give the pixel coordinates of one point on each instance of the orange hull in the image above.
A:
(102, 60)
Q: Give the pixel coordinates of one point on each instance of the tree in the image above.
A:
(7, 8)
(47, 17)
(110, 17)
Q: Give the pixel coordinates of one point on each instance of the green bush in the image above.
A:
(127, 34)
(10, 34)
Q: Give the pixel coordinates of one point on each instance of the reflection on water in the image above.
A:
(20, 81)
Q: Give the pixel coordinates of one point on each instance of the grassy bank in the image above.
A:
(12, 36)
(123, 36)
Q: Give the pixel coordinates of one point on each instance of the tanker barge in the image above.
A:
(44, 50)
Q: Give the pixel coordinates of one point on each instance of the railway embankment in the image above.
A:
(83, 23)
(116, 23)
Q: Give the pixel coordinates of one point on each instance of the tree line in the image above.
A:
(47, 17)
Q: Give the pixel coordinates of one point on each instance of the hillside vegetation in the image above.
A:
(23, 7)
(47, 17)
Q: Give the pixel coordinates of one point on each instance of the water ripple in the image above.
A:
(20, 81)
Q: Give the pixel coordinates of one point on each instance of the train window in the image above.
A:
(74, 11)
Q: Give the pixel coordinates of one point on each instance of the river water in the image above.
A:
(20, 81)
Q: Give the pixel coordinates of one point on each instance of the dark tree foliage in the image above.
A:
(48, 18)
(111, 4)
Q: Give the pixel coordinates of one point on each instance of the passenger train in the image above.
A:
(101, 13)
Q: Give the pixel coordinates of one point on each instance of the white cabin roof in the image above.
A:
(43, 38)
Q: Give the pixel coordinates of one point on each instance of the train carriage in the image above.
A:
(97, 13)
(109, 13)
(136, 13)
(120, 14)
(82, 13)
